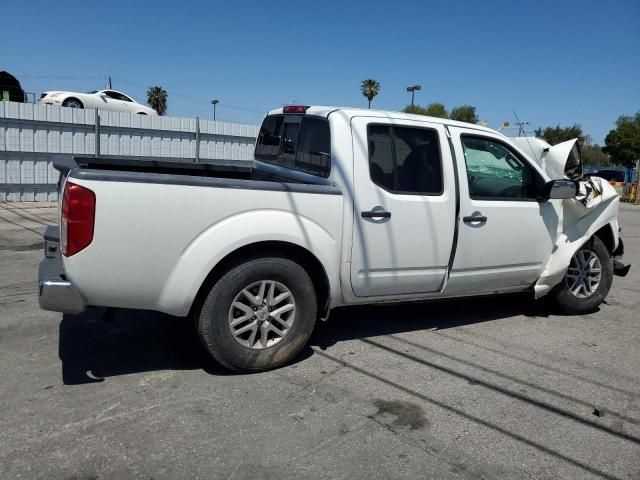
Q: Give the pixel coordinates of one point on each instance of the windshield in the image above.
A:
(93, 91)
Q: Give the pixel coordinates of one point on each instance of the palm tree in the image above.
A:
(370, 88)
(157, 99)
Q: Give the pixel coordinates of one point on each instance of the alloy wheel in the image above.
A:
(584, 274)
(262, 314)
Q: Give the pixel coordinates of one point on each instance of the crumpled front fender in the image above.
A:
(580, 221)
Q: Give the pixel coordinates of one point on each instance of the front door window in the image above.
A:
(494, 172)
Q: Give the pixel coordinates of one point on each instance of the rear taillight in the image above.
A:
(295, 109)
(78, 215)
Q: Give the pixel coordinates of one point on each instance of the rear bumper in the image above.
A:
(55, 292)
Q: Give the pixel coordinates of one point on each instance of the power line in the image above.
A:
(189, 97)
(57, 77)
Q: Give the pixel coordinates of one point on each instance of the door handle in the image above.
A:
(475, 218)
(375, 214)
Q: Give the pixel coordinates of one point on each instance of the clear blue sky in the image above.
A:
(550, 61)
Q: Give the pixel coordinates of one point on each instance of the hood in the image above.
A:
(563, 160)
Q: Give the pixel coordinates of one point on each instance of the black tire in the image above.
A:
(574, 305)
(73, 103)
(213, 318)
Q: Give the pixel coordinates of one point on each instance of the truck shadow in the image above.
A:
(94, 346)
(359, 322)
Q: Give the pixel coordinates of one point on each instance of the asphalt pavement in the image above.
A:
(496, 387)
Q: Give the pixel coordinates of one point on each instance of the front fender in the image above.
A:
(237, 231)
(580, 223)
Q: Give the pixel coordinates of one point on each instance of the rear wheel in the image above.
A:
(258, 315)
(72, 103)
(588, 279)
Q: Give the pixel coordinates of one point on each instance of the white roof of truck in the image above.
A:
(324, 111)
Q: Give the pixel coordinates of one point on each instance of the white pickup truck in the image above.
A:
(341, 207)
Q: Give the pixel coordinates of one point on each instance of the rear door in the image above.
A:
(404, 201)
(505, 234)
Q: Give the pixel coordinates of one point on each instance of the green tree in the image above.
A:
(558, 134)
(415, 109)
(464, 113)
(437, 110)
(370, 88)
(594, 156)
(623, 143)
(431, 110)
(157, 99)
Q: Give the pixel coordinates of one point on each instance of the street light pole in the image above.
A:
(413, 91)
(214, 103)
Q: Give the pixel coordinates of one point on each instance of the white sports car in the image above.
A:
(101, 99)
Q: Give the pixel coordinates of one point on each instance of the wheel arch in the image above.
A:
(607, 237)
(556, 267)
(71, 97)
(306, 259)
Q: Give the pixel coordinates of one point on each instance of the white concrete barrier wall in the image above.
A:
(32, 134)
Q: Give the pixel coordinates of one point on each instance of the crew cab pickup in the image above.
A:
(340, 207)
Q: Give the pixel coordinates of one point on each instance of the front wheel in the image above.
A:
(588, 279)
(72, 103)
(258, 315)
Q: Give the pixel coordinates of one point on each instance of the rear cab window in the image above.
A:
(298, 142)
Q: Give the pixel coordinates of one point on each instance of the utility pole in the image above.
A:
(214, 103)
(637, 198)
(521, 130)
(520, 125)
(413, 91)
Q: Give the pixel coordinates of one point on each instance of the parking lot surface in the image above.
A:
(500, 387)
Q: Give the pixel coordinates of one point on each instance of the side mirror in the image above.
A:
(560, 189)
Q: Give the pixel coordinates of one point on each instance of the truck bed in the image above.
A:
(114, 168)
(160, 228)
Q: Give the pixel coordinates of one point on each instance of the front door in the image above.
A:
(404, 201)
(505, 235)
(115, 102)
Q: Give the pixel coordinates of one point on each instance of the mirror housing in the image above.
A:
(560, 189)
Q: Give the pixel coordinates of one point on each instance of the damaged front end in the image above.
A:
(594, 211)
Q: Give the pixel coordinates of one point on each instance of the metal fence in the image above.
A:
(31, 134)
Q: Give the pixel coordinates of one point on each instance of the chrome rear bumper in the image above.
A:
(55, 292)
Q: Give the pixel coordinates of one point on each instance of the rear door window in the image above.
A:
(297, 142)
